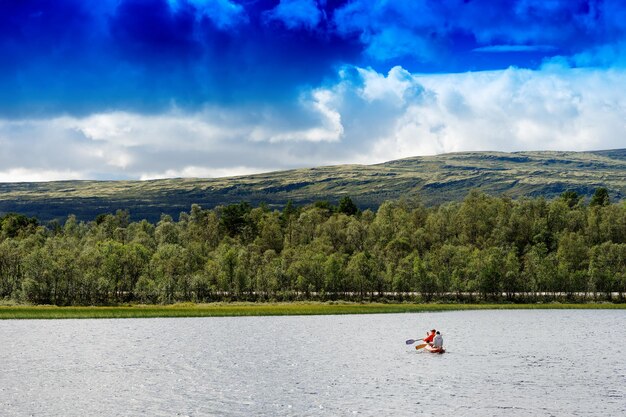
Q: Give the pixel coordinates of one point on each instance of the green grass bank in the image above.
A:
(263, 309)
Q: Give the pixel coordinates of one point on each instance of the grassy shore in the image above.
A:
(262, 309)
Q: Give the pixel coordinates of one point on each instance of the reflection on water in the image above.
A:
(513, 363)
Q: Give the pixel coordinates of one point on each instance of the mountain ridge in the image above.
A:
(433, 179)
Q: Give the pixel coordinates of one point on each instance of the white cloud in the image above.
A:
(36, 175)
(365, 117)
(131, 130)
(328, 129)
(200, 172)
(393, 87)
(510, 110)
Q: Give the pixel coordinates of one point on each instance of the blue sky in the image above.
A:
(166, 88)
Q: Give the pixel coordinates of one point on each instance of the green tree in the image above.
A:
(356, 235)
(403, 279)
(540, 270)
(511, 279)
(490, 265)
(426, 281)
(269, 275)
(347, 206)
(37, 284)
(14, 224)
(570, 197)
(147, 290)
(307, 226)
(600, 197)
(11, 273)
(573, 258)
(270, 233)
(361, 272)
(476, 219)
(228, 260)
(334, 275)
(143, 233)
(607, 264)
(135, 261)
(167, 232)
(204, 283)
(235, 218)
(169, 267)
(111, 267)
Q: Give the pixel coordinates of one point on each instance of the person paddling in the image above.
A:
(438, 341)
(430, 337)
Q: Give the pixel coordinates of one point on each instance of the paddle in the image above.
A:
(411, 341)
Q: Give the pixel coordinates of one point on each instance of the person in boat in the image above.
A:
(430, 337)
(438, 341)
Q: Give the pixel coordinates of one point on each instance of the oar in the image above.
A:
(411, 341)
(418, 347)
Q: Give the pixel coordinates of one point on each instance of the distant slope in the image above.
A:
(435, 179)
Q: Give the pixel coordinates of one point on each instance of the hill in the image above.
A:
(435, 179)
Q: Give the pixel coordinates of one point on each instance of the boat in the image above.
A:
(434, 349)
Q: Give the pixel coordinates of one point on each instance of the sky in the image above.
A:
(144, 89)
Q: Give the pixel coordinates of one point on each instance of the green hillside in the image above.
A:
(434, 179)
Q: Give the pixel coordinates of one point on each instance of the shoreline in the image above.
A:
(25, 312)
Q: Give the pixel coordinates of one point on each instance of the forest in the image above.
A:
(483, 248)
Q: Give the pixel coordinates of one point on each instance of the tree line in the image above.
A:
(483, 248)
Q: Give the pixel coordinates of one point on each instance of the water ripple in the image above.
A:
(513, 363)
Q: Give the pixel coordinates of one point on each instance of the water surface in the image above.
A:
(500, 362)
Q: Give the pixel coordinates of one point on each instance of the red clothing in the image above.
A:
(429, 338)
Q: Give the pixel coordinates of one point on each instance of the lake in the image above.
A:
(504, 362)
